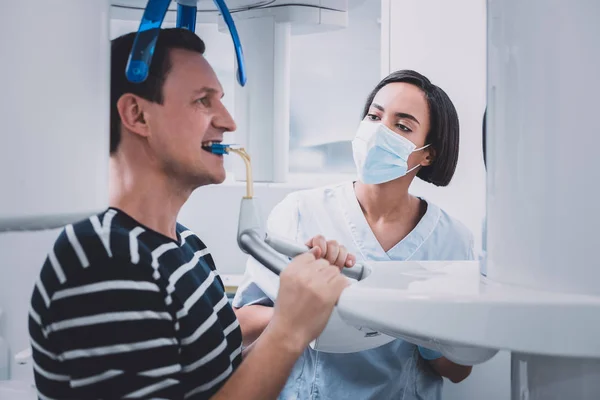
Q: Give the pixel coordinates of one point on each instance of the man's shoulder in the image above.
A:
(86, 253)
(189, 238)
(94, 237)
(95, 245)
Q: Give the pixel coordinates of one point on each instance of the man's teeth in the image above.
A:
(208, 144)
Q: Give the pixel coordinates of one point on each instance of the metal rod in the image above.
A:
(252, 243)
(293, 249)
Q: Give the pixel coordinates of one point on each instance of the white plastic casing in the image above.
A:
(54, 109)
(542, 145)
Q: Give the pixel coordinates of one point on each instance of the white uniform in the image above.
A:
(394, 370)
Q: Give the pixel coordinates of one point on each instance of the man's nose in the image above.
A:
(223, 120)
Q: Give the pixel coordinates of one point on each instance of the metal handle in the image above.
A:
(293, 249)
(253, 243)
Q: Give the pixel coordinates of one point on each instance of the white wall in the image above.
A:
(446, 41)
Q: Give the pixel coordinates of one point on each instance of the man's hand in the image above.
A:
(309, 289)
(332, 251)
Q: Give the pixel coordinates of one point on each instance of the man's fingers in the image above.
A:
(307, 257)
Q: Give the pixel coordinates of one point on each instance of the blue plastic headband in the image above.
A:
(142, 51)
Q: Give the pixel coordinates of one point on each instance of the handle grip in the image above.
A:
(293, 249)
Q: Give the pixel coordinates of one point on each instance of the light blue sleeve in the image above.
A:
(249, 294)
(429, 354)
(282, 221)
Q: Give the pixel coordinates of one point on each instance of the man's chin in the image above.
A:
(212, 179)
(219, 179)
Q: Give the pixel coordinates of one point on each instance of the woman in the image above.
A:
(409, 128)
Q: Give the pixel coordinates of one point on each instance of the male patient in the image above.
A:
(128, 303)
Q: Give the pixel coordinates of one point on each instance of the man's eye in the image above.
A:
(373, 117)
(205, 101)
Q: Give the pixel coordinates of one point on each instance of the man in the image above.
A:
(128, 303)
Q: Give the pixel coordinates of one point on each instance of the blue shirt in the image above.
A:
(395, 370)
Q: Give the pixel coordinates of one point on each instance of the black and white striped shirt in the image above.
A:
(121, 311)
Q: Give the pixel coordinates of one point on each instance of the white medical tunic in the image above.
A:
(392, 371)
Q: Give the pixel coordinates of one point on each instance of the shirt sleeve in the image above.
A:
(282, 222)
(106, 333)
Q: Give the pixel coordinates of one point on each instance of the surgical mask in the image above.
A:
(380, 154)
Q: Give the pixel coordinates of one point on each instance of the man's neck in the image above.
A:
(149, 197)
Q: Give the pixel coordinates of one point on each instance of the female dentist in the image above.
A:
(409, 128)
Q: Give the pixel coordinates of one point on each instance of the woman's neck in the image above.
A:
(391, 212)
(387, 202)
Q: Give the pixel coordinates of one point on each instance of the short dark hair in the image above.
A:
(443, 135)
(151, 88)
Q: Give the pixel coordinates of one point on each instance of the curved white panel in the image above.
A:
(542, 147)
(54, 111)
(448, 306)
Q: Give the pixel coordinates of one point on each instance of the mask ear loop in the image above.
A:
(418, 165)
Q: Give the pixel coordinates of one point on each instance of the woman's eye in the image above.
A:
(403, 128)
(373, 117)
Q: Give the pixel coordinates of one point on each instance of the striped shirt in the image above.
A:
(121, 311)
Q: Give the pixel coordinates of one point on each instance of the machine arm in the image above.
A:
(141, 54)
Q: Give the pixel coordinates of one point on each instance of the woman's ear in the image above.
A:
(429, 158)
(131, 111)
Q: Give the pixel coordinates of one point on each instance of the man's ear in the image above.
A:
(131, 111)
(429, 156)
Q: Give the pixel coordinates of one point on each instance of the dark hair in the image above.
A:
(443, 135)
(151, 88)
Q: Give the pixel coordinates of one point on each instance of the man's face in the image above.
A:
(191, 115)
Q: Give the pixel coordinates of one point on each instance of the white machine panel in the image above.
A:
(542, 144)
(54, 110)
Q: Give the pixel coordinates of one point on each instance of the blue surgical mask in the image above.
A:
(380, 154)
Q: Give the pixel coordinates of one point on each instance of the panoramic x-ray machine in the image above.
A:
(536, 290)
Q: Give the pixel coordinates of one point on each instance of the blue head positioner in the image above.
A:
(140, 58)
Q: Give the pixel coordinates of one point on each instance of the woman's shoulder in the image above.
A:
(453, 231)
(453, 225)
